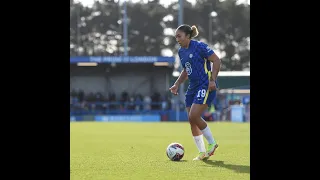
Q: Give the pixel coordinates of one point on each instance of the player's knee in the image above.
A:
(190, 121)
(192, 117)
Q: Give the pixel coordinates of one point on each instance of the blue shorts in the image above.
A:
(201, 97)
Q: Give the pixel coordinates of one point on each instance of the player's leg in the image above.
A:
(199, 105)
(194, 128)
(196, 133)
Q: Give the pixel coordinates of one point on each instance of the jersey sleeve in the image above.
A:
(205, 50)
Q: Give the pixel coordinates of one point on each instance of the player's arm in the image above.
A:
(182, 77)
(208, 53)
(216, 64)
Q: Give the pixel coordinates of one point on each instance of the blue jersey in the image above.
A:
(195, 61)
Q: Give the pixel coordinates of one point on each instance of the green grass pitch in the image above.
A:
(136, 151)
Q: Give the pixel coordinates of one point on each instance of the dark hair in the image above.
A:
(193, 30)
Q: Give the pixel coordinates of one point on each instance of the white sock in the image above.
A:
(200, 143)
(208, 135)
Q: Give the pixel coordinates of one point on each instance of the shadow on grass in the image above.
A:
(181, 161)
(236, 168)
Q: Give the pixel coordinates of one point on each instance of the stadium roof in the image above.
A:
(234, 73)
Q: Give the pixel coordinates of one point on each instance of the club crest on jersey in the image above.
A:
(188, 68)
(190, 55)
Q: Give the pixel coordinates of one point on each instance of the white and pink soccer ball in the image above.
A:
(175, 151)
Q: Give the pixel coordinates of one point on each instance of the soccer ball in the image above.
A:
(175, 151)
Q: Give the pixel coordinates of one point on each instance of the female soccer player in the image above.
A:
(195, 57)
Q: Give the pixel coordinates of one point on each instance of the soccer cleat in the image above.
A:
(201, 156)
(211, 149)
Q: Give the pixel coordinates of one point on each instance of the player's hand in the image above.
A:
(212, 85)
(174, 89)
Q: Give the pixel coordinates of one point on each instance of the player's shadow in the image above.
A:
(181, 161)
(236, 168)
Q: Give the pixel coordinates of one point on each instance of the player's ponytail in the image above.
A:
(194, 31)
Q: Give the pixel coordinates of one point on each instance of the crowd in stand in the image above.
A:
(97, 102)
(81, 100)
